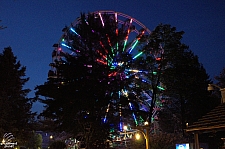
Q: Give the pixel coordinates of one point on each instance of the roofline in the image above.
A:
(210, 128)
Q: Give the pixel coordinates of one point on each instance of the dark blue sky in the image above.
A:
(33, 26)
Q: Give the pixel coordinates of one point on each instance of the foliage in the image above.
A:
(221, 78)
(166, 140)
(184, 79)
(34, 141)
(16, 116)
(58, 145)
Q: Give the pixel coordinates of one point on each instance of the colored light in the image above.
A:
(74, 31)
(100, 61)
(101, 19)
(161, 88)
(124, 45)
(158, 58)
(116, 17)
(133, 46)
(121, 126)
(134, 116)
(137, 55)
(63, 44)
(131, 21)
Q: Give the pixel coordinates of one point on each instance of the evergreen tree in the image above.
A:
(185, 79)
(15, 107)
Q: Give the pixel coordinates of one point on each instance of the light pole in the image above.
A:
(125, 137)
(222, 90)
(145, 131)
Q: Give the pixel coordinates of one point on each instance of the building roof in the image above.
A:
(212, 121)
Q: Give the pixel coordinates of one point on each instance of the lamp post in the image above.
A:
(125, 137)
(222, 90)
(145, 131)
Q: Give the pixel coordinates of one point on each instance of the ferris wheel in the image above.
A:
(116, 41)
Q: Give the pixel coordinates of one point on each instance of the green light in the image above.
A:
(112, 67)
(161, 88)
(125, 43)
(137, 55)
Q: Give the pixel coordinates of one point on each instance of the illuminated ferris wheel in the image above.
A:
(113, 40)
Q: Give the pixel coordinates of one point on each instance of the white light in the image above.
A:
(146, 123)
(137, 136)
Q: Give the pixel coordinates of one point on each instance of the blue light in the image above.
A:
(63, 44)
(121, 126)
(130, 106)
(104, 120)
(133, 46)
(119, 94)
(74, 31)
(134, 116)
(144, 80)
(183, 146)
(114, 64)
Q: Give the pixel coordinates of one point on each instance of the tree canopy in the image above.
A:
(221, 78)
(15, 106)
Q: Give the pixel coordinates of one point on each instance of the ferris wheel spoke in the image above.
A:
(108, 49)
(128, 32)
(135, 42)
(73, 30)
(100, 15)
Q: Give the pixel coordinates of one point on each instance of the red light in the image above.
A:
(158, 58)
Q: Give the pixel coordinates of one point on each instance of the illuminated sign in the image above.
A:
(7, 140)
(183, 146)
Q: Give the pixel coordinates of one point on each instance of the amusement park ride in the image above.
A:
(110, 49)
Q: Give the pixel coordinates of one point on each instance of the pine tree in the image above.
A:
(15, 106)
(185, 98)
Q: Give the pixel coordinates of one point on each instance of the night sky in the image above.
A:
(33, 26)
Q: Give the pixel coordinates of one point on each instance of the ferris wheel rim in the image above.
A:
(123, 17)
(119, 13)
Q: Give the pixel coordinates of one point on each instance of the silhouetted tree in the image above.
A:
(185, 98)
(16, 116)
(221, 78)
(84, 87)
(34, 141)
